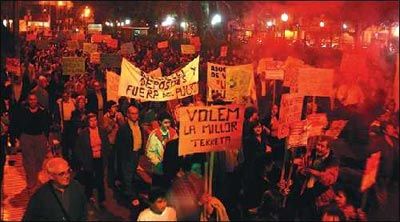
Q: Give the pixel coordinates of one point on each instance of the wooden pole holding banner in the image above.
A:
(364, 199)
(211, 169)
(274, 92)
(285, 158)
(288, 179)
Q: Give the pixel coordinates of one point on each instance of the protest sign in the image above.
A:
(210, 128)
(137, 84)
(195, 40)
(31, 37)
(162, 45)
(298, 135)
(110, 60)
(78, 37)
(89, 47)
(276, 74)
(224, 51)
(112, 43)
(156, 73)
(42, 44)
(239, 82)
(216, 80)
(188, 49)
(95, 57)
(13, 66)
(112, 82)
(73, 65)
(371, 170)
(315, 82)
(94, 28)
(22, 26)
(263, 64)
(98, 38)
(316, 123)
(73, 45)
(336, 128)
(127, 48)
(290, 111)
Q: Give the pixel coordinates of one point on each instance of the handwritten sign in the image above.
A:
(162, 45)
(216, 80)
(89, 47)
(95, 28)
(112, 86)
(98, 38)
(95, 57)
(316, 123)
(210, 128)
(73, 65)
(315, 82)
(370, 172)
(137, 84)
(110, 60)
(276, 74)
(298, 135)
(188, 49)
(13, 66)
(290, 111)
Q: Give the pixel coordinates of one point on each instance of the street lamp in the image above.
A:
(127, 21)
(216, 19)
(168, 21)
(284, 17)
(344, 26)
(321, 24)
(270, 23)
(86, 12)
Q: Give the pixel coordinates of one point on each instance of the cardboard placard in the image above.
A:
(89, 47)
(188, 49)
(73, 65)
(95, 57)
(315, 82)
(73, 45)
(290, 111)
(112, 82)
(110, 60)
(336, 128)
(210, 128)
(112, 43)
(162, 45)
(239, 83)
(216, 80)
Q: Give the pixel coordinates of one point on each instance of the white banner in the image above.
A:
(135, 83)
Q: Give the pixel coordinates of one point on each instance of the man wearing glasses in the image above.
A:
(60, 199)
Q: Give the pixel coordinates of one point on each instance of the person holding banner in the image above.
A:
(155, 147)
(317, 172)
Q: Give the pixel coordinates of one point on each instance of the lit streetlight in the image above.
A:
(284, 17)
(344, 26)
(168, 21)
(184, 25)
(321, 24)
(216, 19)
(270, 23)
(5, 22)
(86, 12)
(127, 21)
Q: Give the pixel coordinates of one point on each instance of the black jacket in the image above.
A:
(43, 205)
(92, 105)
(83, 149)
(124, 142)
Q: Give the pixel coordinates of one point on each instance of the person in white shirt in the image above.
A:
(158, 210)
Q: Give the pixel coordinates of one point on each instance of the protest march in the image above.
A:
(152, 120)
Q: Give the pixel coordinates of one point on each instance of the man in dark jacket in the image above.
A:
(60, 199)
(96, 100)
(129, 141)
(90, 148)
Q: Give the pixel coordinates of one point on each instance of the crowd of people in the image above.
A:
(131, 146)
